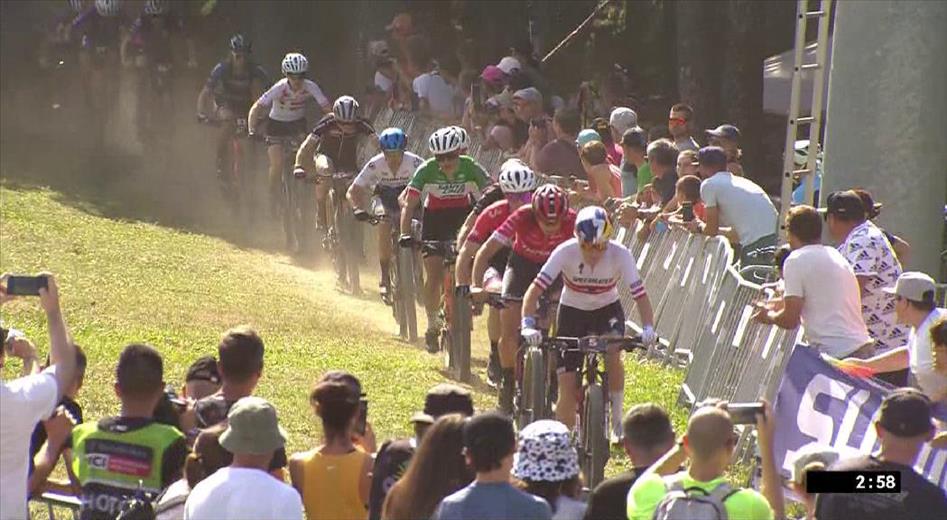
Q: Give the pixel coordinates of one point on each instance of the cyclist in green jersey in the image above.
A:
(449, 184)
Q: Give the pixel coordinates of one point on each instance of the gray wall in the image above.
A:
(886, 123)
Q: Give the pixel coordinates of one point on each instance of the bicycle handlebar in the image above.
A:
(597, 344)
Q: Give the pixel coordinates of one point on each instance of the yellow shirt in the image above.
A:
(331, 484)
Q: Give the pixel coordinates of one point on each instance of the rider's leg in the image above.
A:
(275, 154)
(226, 116)
(616, 385)
(323, 210)
(493, 332)
(509, 345)
(566, 403)
(384, 251)
(433, 280)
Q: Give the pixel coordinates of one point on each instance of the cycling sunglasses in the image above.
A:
(585, 246)
(296, 76)
(523, 198)
(447, 157)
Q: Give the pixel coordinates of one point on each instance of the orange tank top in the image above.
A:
(330, 485)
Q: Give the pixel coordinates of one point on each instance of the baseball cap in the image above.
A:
(204, 369)
(872, 208)
(906, 412)
(509, 64)
(531, 94)
(443, 399)
(545, 453)
(587, 136)
(493, 74)
(810, 453)
(711, 155)
(635, 137)
(623, 119)
(726, 131)
(252, 427)
(844, 203)
(914, 286)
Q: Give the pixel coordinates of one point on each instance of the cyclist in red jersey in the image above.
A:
(532, 232)
(516, 182)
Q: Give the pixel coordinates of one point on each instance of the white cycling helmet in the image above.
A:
(108, 8)
(294, 63)
(801, 152)
(156, 7)
(517, 177)
(345, 109)
(444, 140)
(464, 138)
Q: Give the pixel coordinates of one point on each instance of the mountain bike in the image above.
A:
(536, 388)
(401, 284)
(591, 435)
(447, 313)
(344, 238)
(234, 175)
(291, 196)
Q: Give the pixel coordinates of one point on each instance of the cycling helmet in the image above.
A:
(464, 138)
(801, 155)
(77, 5)
(240, 43)
(392, 139)
(345, 109)
(550, 202)
(155, 7)
(593, 225)
(444, 140)
(294, 63)
(108, 8)
(516, 177)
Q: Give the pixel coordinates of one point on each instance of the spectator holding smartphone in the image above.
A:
(26, 400)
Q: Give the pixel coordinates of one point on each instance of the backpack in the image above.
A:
(692, 503)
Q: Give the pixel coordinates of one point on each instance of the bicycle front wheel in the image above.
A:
(534, 386)
(594, 440)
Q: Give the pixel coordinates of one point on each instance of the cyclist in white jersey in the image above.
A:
(591, 266)
(286, 101)
(386, 176)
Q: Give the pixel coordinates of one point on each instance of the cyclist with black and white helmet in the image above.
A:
(447, 185)
(464, 139)
(591, 265)
(517, 182)
(385, 175)
(337, 136)
(286, 101)
(233, 84)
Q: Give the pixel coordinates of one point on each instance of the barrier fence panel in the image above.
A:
(703, 349)
(685, 288)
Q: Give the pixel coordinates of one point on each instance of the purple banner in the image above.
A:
(818, 403)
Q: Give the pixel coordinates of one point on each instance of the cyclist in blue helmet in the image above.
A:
(384, 175)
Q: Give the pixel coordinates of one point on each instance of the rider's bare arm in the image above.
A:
(466, 227)
(411, 202)
(531, 299)
(255, 115)
(204, 100)
(465, 258)
(306, 155)
(644, 309)
(486, 253)
(357, 196)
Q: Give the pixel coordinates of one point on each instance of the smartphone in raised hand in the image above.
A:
(19, 285)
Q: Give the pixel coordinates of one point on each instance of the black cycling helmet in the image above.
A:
(240, 43)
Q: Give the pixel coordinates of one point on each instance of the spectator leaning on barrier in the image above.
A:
(548, 466)
(875, 265)
(438, 470)
(393, 458)
(635, 172)
(244, 490)
(821, 292)
(662, 162)
(915, 307)
(489, 445)
(604, 178)
(142, 453)
(679, 125)
(739, 203)
(903, 426)
(559, 156)
(663, 492)
(26, 400)
(648, 435)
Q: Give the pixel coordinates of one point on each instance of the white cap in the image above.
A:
(623, 118)
(509, 64)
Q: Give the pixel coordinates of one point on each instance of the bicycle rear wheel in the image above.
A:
(406, 293)
(460, 332)
(594, 452)
(289, 209)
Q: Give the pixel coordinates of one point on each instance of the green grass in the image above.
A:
(127, 282)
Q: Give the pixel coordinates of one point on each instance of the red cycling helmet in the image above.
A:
(550, 202)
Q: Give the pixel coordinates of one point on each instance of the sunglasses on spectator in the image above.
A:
(447, 157)
(585, 246)
(518, 197)
(677, 121)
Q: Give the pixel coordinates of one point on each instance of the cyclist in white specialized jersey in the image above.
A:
(286, 101)
(591, 266)
(385, 175)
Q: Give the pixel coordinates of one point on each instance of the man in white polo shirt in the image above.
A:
(739, 203)
(915, 307)
(821, 292)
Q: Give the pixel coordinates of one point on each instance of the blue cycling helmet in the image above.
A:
(392, 139)
(593, 226)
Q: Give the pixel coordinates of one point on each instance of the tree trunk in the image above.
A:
(741, 93)
(700, 39)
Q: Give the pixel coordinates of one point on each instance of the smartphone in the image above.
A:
(687, 211)
(362, 422)
(539, 122)
(26, 285)
(744, 413)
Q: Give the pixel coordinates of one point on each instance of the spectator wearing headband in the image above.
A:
(202, 379)
(904, 425)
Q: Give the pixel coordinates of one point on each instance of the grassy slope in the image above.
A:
(130, 281)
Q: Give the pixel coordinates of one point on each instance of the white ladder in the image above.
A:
(814, 120)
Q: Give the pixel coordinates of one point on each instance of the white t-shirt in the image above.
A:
(240, 494)
(439, 94)
(921, 355)
(742, 205)
(569, 509)
(171, 505)
(287, 104)
(23, 403)
(384, 83)
(586, 287)
(376, 171)
(831, 309)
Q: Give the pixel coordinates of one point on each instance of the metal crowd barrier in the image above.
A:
(56, 502)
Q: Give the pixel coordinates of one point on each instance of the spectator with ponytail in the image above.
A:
(208, 457)
(334, 478)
